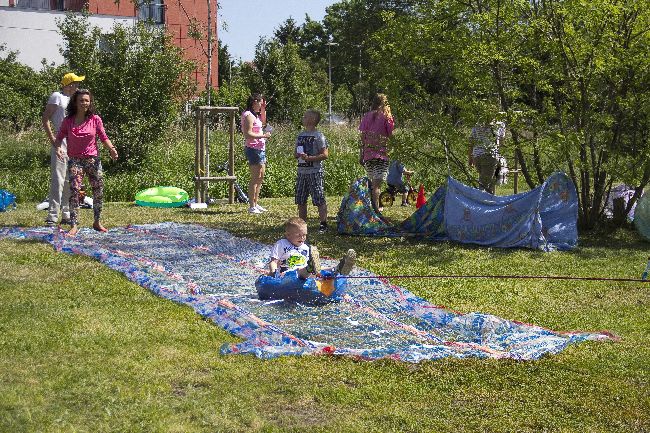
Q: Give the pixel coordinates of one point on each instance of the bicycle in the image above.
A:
(240, 195)
(387, 198)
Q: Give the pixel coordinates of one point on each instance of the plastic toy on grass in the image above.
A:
(44, 205)
(85, 202)
(421, 198)
(644, 276)
(7, 200)
(162, 196)
(311, 291)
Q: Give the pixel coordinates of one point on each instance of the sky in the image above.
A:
(247, 20)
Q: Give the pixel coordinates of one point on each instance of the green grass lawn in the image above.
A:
(84, 349)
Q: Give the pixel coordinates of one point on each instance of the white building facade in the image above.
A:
(32, 31)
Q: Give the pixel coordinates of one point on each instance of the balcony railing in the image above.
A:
(52, 5)
(152, 12)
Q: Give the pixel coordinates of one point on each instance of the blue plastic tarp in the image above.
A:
(214, 273)
(544, 218)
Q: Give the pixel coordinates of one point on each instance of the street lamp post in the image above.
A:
(329, 68)
(359, 47)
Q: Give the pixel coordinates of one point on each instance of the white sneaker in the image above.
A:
(43, 205)
(260, 208)
(254, 210)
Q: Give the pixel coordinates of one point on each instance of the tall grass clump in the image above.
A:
(25, 159)
(24, 164)
(170, 162)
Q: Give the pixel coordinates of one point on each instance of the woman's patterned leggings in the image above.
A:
(77, 167)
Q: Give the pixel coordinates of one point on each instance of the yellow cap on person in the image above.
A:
(70, 78)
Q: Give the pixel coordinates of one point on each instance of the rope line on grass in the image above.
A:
(518, 277)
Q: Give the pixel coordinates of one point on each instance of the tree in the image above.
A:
(599, 82)
(288, 32)
(352, 24)
(288, 81)
(313, 37)
(139, 80)
(25, 91)
(224, 62)
(570, 77)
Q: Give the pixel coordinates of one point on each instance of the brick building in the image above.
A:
(29, 26)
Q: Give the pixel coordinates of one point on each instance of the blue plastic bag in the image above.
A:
(7, 200)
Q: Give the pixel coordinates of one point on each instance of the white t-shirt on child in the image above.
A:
(291, 257)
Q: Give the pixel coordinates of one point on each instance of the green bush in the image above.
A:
(24, 91)
(24, 163)
(138, 78)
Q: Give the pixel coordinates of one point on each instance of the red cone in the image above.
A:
(421, 198)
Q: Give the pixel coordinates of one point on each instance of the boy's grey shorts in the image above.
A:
(377, 169)
(310, 184)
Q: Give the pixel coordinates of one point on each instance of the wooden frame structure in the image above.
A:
(202, 175)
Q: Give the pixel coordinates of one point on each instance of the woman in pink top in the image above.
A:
(252, 125)
(376, 127)
(81, 128)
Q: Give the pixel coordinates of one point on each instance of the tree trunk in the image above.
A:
(639, 189)
(522, 161)
(536, 159)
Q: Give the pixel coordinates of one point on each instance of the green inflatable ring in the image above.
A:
(162, 196)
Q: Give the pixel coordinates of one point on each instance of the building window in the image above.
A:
(52, 5)
(35, 4)
(152, 11)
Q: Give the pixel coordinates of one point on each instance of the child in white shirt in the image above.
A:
(292, 253)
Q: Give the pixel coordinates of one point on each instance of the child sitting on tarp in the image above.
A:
(396, 173)
(292, 253)
(294, 266)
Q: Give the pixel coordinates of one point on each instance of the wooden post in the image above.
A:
(618, 210)
(515, 181)
(202, 155)
(197, 151)
(201, 196)
(231, 158)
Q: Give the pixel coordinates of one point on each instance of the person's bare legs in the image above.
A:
(73, 231)
(252, 185)
(302, 211)
(374, 193)
(255, 184)
(322, 213)
(99, 227)
(259, 182)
